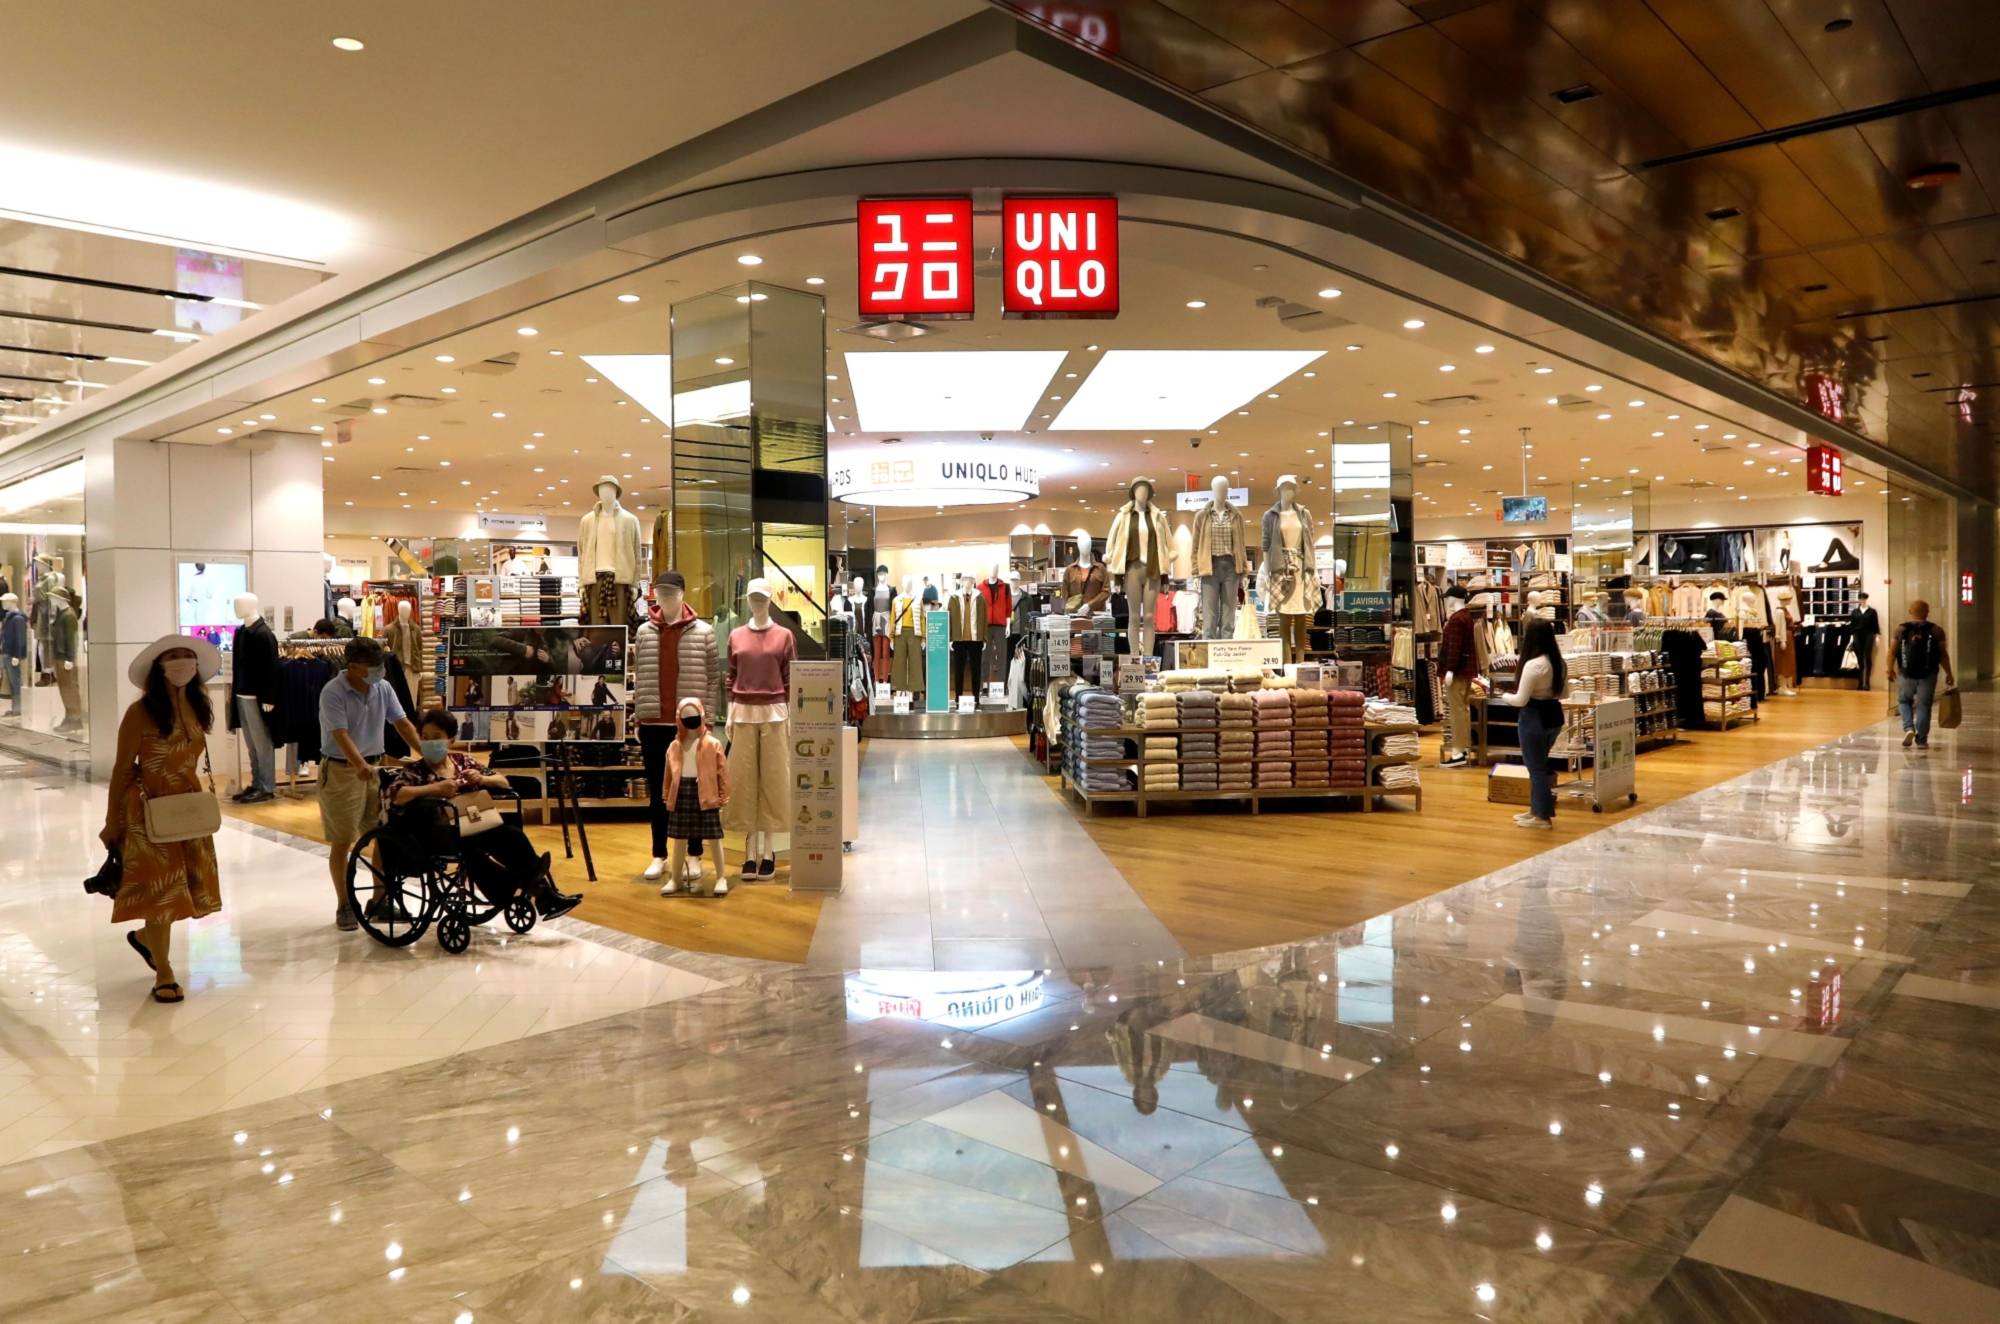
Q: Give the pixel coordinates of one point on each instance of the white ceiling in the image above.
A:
(534, 437)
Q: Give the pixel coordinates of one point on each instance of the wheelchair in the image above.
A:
(423, 879)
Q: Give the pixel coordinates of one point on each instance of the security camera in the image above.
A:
(1194, 443)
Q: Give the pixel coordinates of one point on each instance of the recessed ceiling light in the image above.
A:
(1413, 324)
(446, 358)
(378, 410)
(1593, 387)
(1352, 348)
(1701, 427)
(1543, 372)
(1482, 349)
(317, 428)
(499, 413)
(1672, 417)
(349, 44)
(378, 381)
(227, 432)
(1465, 432)
(526, 331)
(1634, 404)
(1329, 293)
(1388, 395)
(319, 399)
(1447, 367)
(628, 298)
(527, 445)
(723, 361)
(749, 260)
(1197, 303)
(815, 280)
(1602, 417)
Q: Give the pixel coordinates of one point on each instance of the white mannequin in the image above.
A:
(350, 611)
(1138, 549)
(1218, 568)
(1293, 552)
(608, 555)
(1086, 586)
(759, 736)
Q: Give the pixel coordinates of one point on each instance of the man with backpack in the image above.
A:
(1917, 655)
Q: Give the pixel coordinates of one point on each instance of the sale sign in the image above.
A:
(915, 257)
(1059, 257)
(1824, 471)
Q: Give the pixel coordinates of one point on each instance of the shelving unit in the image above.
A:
(1140, 797)
(1723, 691)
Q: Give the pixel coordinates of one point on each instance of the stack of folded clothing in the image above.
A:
(1281, 681)
(1158, 711)
(1273, 712)
(1177, 682)
(1347, 738)
(1311, 722)
(1398, 744)
(1246, 680)
(1236, 740)
(1383, 712)
(1091, 709)
(1210, 678)
(1201, 713)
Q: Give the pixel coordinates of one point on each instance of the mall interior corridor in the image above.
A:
(1636, 1077)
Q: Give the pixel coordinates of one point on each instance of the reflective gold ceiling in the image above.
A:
(1539, 128)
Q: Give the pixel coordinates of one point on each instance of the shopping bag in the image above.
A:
(1950, 711)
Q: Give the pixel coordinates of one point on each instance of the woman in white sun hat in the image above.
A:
(160, 744)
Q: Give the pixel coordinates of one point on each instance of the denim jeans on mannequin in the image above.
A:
(257, 740)
(1218, 599)
(13, 667)
(1913, 704)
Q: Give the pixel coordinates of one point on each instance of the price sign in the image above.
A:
(915, 257)
(1059, 256)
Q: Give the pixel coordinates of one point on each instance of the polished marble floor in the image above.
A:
(966, 862)
(1735, 1058)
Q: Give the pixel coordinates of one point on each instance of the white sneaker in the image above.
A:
(1532, 822)
(671, 886)
(691, 870)
(1524, 819)
(721, 886)
(655, 869)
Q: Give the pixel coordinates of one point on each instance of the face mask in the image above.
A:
(375, 674)
(180, 671)
(692, 721)
(435, 750)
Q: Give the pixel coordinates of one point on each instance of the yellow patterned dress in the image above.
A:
(171, 880)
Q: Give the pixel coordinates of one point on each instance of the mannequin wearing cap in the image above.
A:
(255, 683)
(760, 725)
(1289, 573)
(698, 774)
(1219, 547)
(1137, 549)
(607, 545)
(999, 597)
(1086, 587)
(674, 657)
(161, 740)
(906, 673)
(13, 647)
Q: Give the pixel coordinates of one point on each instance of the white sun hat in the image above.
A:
(206, 656)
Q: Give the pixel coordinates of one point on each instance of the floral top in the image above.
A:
(460, 768)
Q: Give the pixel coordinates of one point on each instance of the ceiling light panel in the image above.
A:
(1134, 390)
(950, 390)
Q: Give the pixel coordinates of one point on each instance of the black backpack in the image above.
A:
(1917, 650)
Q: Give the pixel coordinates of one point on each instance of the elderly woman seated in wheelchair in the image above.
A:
(447, 855)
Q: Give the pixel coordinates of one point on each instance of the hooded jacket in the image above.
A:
(674, 660)
(711, 768)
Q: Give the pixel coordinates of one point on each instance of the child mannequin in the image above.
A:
(697, 786)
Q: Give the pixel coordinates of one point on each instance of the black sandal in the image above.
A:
(160, 992)
(145, 952)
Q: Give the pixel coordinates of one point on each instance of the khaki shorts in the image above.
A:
(348, 805)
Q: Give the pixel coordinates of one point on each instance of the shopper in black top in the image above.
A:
(1917, 655)
(1867, 628)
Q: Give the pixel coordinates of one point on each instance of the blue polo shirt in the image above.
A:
(362, 716)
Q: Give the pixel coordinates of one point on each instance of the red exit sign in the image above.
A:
(1059, 257)
(1825, 471)
(915, 257)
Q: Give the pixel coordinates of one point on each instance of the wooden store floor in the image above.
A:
(1290, 875)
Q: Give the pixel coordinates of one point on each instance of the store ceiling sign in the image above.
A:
(1059, 257)
(1825, 471)
(915, 257)
(943, 474)
(1238, 496)
(512, 523)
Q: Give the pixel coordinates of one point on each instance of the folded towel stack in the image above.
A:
(1175, 682)
(1246, 680)
(1347, 738)
(1201, 740)
(1397, 774)
(1397, 744)
(1383, 712)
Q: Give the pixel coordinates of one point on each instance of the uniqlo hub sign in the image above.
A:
(1058, 257)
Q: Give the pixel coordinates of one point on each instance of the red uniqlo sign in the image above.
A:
(1823, 471)
(1059, 257)
(915, 257)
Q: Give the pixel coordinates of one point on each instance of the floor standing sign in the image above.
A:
(937, 662)
(818, 776)
(1615, 774)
